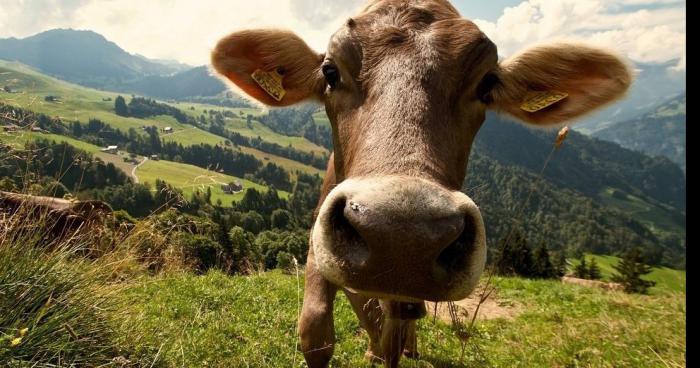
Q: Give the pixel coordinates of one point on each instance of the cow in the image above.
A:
(406, 85)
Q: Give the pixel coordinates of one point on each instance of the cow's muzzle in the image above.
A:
(402, 238)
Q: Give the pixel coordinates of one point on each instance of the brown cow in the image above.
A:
(406, 85)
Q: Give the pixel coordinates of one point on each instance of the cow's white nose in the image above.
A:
(402, 237)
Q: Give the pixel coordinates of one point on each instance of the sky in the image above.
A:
(646, 31)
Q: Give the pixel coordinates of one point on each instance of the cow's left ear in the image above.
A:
(554, 83)
(272, 66)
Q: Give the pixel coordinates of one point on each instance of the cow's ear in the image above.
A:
(555, 83)
(274, 67)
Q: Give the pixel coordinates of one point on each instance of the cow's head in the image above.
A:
(406, 85)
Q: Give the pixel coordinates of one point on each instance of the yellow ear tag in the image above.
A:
(542, 100)
(271, 82)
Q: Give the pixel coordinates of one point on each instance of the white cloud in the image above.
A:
(652, 35)
(175, 29)
(650, 31)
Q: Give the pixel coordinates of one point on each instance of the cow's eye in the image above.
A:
(332, 75)
(483, 91)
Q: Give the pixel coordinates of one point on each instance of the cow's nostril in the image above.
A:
(456, 256)
(347, 241)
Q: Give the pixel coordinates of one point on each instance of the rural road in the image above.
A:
(133, 171)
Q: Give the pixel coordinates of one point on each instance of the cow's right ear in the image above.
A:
(274, 67)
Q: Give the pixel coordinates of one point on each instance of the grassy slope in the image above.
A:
(190, 178)
(667, 280)
(257, 129)
(220, 321)
(647, 212)
(81, 103)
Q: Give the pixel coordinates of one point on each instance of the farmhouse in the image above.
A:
(232, 188)
(110, 149)
(167, 130)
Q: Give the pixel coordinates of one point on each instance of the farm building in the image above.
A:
(232, 188)
(110, 149)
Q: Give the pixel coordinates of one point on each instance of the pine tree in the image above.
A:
(542, 264)
(561, 264)
(581, 269)
(630, 271)
(594, 270)
(514, 257)
(120, 107)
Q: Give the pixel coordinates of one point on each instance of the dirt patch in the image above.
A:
(491, 308)
(612, 286)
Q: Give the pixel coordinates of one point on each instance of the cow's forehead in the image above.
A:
(426, 31)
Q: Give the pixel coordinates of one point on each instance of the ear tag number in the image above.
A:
(271, 82)
(542, 100)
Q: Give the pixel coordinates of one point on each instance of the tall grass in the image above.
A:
(55, 305)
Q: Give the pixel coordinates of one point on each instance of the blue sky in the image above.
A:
(488, 10)
(645, 31)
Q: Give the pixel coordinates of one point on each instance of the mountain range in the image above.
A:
(89, 59)
(660, 132)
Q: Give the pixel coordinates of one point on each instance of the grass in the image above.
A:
(290, 165)
(655, 216)
(667, 280)
(20, 138)
(257, 129)
(82, 103)
(192, 178)
(55, 303)
(215, 320)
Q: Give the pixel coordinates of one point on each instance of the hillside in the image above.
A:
(661, 132)
(653, 83)
(555, 325)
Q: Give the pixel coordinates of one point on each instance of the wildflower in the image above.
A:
(562, 136)
(23, 332)
(16, 341)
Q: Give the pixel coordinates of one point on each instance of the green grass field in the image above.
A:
(221, 321)
(667, 280)
(19, 138)
(81, 103)
(257, 129)
(656, 216)
(192, 178)
(289, 165)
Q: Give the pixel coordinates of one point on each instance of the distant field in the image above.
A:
(240, 125)
(644, 211)
(221, 321)
(290, 165)
(20, 138)
(192, 178)
(322, 119)
(81, 103)
(667, 280)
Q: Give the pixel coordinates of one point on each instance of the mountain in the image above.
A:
(193, 82)
(89, 59)
(661, 132)
(82, 57)
(593, 195)
(653, 84)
